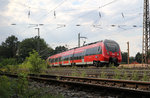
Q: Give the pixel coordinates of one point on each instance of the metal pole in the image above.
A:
(38, 43)
(146, 31)
(78, 39)
(128, 52)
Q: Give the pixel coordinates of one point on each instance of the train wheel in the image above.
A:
(101, 64)
(107, 65)
(116, 64)
(95, 63)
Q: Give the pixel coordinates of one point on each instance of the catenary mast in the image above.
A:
(146, 31)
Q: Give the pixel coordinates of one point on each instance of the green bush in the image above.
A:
(5, 87)
(22, 84)
(19, 88)
(8, 61)
(24, 67)
(37, 64)
(15, 88)
(11, 69)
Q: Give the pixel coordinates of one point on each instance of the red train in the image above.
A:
(98, 54)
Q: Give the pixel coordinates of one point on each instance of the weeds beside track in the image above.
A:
(120, 85)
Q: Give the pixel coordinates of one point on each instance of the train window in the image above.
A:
(71, 57)
(52, 60)
(111, 46)
(55, 59)
(67, 57)
(59, 59)
(88, 52)
(93, 51)
(99, 50)
(77, 56)
(63, 58)
(49, 60)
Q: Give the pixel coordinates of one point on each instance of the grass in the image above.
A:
(125, 75)
(103, 75)
(19, 88)
(117, 74)
(135, 75)
(145, 77)
(75, 74)
(83, 74)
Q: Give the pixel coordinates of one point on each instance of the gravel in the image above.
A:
(66, 91)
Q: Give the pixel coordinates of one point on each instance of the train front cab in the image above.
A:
(111, 52)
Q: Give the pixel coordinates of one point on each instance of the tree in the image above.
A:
(29, 44)
(124, 57)
(46, 52)
(59, 49)
(138, 57)
(9, 48)
(131, 59)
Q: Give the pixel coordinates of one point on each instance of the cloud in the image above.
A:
(62, 29)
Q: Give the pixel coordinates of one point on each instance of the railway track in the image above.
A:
(97, 72)
(135, 87)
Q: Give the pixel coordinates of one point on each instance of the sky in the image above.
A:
(119, 20)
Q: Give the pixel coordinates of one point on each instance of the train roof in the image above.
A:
(86, 45)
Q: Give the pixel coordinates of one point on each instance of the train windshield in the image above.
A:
(111, 46)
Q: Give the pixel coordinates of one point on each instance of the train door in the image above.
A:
(72, 58)
(83, 57)
(59, 61)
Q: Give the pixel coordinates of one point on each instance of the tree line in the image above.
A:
(137, 58)
(19, 50)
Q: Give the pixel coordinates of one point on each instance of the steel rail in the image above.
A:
(124, 85)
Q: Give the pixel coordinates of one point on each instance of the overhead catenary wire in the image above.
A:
(53, 9)
(87, 13)
(100, 16)
(94, 9)
(83, 15)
